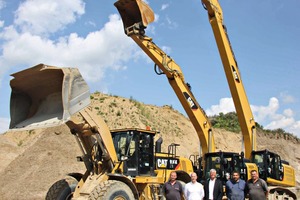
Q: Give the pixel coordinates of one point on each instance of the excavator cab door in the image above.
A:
(261, 159)
(275, 167)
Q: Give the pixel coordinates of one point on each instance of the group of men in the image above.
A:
(236, 188)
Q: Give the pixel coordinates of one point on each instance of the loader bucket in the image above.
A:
(44, 96)
(133, 12)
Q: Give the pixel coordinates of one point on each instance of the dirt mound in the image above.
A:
(33, 160)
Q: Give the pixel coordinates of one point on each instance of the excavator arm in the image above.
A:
(277, 173)
(242, 106)
(136, 15)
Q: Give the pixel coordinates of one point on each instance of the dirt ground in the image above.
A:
(31, 161)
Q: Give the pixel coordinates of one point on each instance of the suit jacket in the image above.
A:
(218, 190)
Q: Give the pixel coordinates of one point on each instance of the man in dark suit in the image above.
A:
(213, 187)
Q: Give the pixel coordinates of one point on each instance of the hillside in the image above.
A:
(31, 161)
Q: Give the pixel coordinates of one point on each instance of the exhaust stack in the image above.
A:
(44, 96)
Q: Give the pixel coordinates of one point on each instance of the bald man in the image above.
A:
(194, 190)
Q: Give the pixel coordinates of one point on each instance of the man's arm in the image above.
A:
(227, 188)
(182, 192)
(164, 190)
(246, 191)
(205, 190)
(202, 191)
(185, 191)
(220, 188)
(265, 187)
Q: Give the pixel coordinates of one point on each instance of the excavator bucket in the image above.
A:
(44, 96)
(134, 12)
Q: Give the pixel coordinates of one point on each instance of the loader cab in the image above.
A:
(135, 148)
(224, 163)
(269, 164)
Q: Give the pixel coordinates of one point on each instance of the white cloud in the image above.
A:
(288, 112)
(171, 24)
(166, 49)
(4, 123)
(295, 128)
(164, 6)
(2, 4)
(281, 122)
(90, 23)
(268, 116)
(156, 17)
(261, 113)
(225, 106)
(286, 98)
(47, 16)
(93, 54)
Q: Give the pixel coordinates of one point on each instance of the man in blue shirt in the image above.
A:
(235, 187)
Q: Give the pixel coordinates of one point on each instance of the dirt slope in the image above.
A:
(31, 161)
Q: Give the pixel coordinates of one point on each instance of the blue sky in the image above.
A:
(89, 35)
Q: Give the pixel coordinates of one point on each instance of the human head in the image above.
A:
(235, 175)
(173, 176)
(194, 177)
(212, 174)
(254, 175)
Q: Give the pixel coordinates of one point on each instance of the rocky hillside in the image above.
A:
(31, 161)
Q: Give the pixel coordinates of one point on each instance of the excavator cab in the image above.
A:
(224, 163)
(135, 148)
(269, 164)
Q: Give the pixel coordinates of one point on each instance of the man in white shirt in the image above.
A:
(194, 190)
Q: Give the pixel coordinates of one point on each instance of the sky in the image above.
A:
(89, 35)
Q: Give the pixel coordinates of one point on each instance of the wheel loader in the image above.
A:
(120, 164)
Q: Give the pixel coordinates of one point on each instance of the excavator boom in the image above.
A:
(271, 168)
(136, 30)
(233, 76)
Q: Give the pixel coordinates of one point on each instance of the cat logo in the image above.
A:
(162, 163)
(190, 101)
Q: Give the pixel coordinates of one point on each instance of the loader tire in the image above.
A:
(62, 189)
(111, 190)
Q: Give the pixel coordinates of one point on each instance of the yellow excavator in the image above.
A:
(136, 15)
(278, 173)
